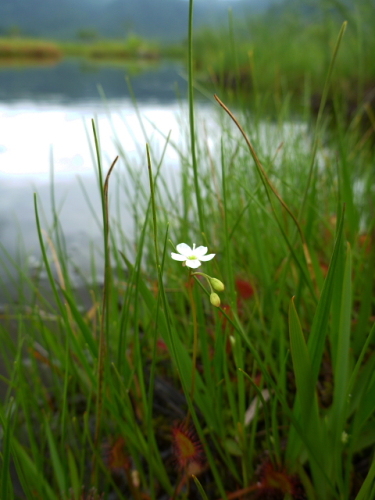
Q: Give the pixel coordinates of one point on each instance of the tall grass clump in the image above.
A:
(251, 376)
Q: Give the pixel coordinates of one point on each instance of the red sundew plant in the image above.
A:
(187, 449)
(161, 346)
(275, 483)
(115, 456)
(244, 289)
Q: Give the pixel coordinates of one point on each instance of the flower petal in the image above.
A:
(193, 264)
(184, 249)
(200, 251)
(207, 257)
(177, 256)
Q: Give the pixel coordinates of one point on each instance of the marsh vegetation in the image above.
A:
(150, 387)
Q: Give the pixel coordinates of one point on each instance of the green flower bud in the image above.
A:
(344, 437)
(217, 284)
(215, 299)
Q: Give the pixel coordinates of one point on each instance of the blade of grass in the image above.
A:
(340, 406)
(200, 487)
(320, 324)
(269, 187)
(105, 313)
(320, 117)
(192, 121)
(6, 429)
(75, 481)
(32, 478)
(56, 462)
(368, 484)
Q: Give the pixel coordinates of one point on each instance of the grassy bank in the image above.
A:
(250, 376)
(133, 47)
(25, 49)
(13, 49)
(284, 54)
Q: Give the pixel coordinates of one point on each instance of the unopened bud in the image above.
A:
(217, 284)
(215, 299)
(344, 437)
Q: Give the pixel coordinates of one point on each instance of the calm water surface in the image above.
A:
(45, 128)
(45, 124)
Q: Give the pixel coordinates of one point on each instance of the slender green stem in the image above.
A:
(105, 315)
(319, 118)
(153, 204)
(192, 120)
(195, 337)
(268, 186)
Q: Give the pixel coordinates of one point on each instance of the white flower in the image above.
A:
(191, 257)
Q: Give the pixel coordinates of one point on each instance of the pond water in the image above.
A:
(46, 118)
(46, 134)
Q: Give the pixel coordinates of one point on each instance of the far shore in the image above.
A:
(253, 72)
(34, 50)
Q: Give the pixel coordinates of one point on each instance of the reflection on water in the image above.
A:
(45, 122)
(33, 141)
(78, 80)
(46, 127)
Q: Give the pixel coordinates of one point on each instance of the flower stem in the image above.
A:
(192, 120)
(205, 276)
(195, 338)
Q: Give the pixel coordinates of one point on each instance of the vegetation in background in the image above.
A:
(283, 53)
(38, 50)
(156, 389)
(20, 49)
(288, 50)
(132, 47)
